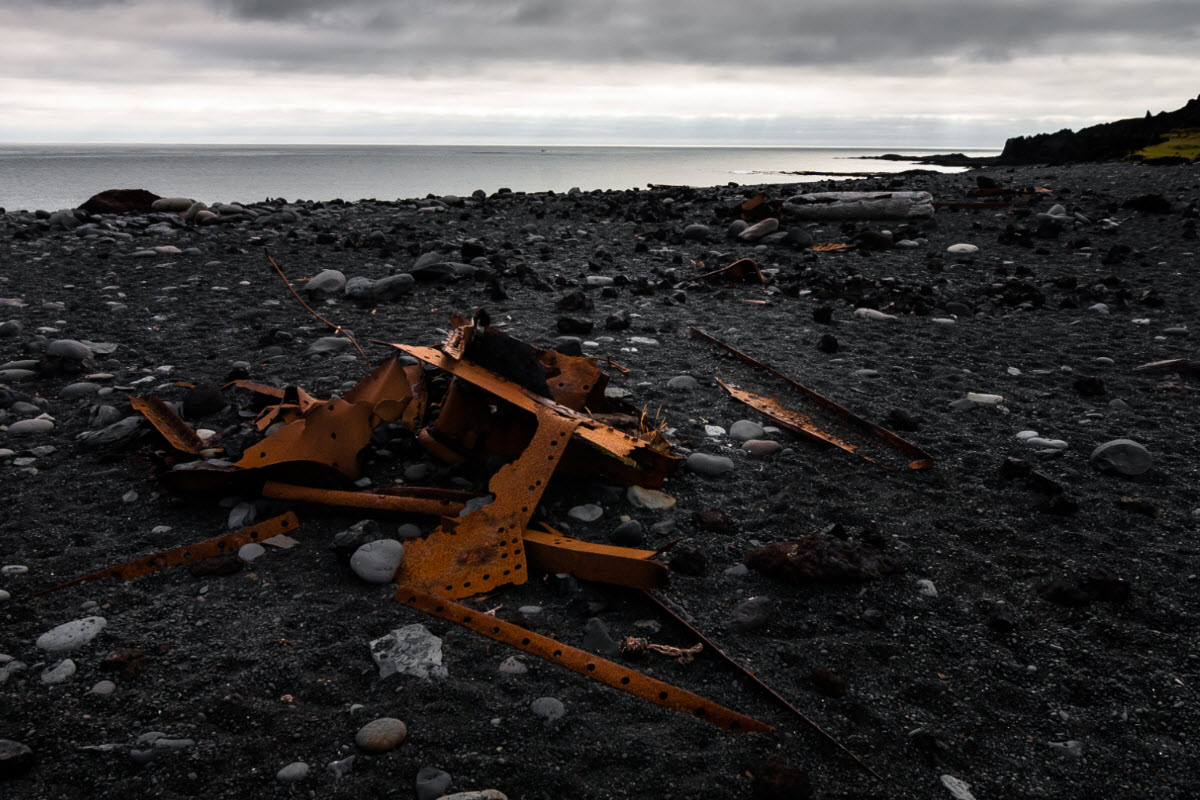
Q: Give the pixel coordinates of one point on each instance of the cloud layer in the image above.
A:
(208, 66)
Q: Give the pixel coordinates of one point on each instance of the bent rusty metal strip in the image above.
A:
(625, 447)
(671, 612)
(852, 424)
(600, 669)
(164, 419)
(416, 502)
(484, 549)
(620, 566)
(393, 391)
(220, 545)
(745, 269)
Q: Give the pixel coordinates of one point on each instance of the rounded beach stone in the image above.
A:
(710, 465)
(292, 772)
(376, 562)
(744, 430)
(586, 513)
(29, 426)
(761, 447)
(15, 759)
(482, 794)
(381, 735)
(71, 635)
(1122, 457)
(432, 783)
(172, 204)
(58, 673)
(683, 383)
(548, 708)
(641, 497)
(696, 232)
(962, 248)
(325, 283)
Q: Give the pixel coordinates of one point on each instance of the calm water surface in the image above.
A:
(63, 176)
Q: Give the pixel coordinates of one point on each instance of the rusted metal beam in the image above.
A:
(594, 667)
(190, 554)
(671, 612)
(178, 433)
(852, 432)
(620, 566)
(431, 502)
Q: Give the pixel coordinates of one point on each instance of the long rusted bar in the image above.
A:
(416, 503)
(918, 458)
(164, 419)
(761, 684)
(219, 545)
(599, 669)
(620, 566)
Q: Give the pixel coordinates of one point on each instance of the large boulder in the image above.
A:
(120, 201)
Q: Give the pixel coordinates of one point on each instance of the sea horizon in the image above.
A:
(49, 176)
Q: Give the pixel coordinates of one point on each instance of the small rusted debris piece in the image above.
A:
(178, 433)
(821, 559)
(637, 646)
(599, 669)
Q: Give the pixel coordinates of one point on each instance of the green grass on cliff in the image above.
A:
(1179, 142)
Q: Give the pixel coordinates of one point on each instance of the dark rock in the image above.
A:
(775, 779)
(713, 519)
(575, 326)
(1012, 468)
(1089, 386)
(16, 759)
(901, 421)
(120, 201)
(596, 639)
(828, 343)
(128, 663)
(688, 560)
(1149, 204)
(1002, 618)
(628, 534)
(829, 682)
(618, 321)
(752, 614)
(823, 314)
(820, 559)
(575, 301)
(203, 400)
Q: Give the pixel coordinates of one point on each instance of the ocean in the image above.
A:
(54, 176)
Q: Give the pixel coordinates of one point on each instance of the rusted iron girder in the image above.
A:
(189, 554)
(178, 433)
(851, 424)
(599, 669)
(619, 566)
(675, 615)
(431, 502)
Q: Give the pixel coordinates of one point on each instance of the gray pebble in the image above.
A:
(627, 534)
(586, 513)
(1122, 457)
(381, 735)
(71, 635)
(752, 614)
(482, 794)
(738, 571)
(548, 708)
(59, 672)
(744, 430)
(710, 465)
(4, 595)
(296, 771)
(29, 426)
(103, 688)
(925, 588)
(596, 639)
(683, 383)
(249, 552)
(327, 283)
(408, 531)
(13, 569)
(696, 232)
(340, 769)
(376, 562)
(432, 783)
(761, 447)
(513, 666)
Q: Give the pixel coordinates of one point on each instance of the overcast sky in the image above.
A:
(940, 73)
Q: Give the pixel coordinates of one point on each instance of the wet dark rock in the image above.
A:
(618, 321)
(120, 201)
(1002, 618)
(821, 559)
(687, 559)
(823, 315)
(1089, 386)
(575, 326)
(829, 682)
(828, 343)
(775, 779)
(203, 400)
(575, 301)
(713, 519)
(596, 639)
(900, 420)
(1149, 204)
(16, 759)
(752, 614)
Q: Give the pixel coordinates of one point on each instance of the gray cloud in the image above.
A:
(752, 32)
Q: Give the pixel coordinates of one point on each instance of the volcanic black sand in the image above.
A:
(1041, 640)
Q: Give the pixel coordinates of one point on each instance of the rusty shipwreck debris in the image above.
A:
(544, 412)
(822, 419)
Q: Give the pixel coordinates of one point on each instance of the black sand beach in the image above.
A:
(1040, 642)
